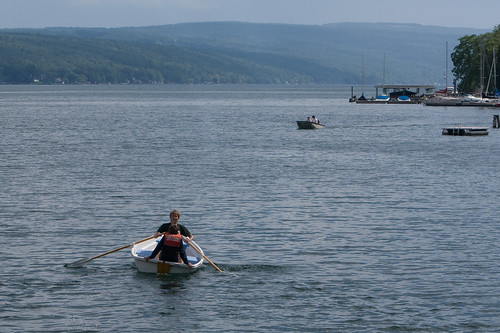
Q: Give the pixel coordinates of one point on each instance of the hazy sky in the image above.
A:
(482, 14)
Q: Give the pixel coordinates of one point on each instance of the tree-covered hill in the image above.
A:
(28, 58)
(228, 52)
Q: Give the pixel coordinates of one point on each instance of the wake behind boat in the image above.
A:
(144, 249)
(304, 124)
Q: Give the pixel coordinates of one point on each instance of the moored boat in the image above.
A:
(404, 99)
(443, 101)
(304, 124)
(382, 98)
(144, 249)
(470, 100)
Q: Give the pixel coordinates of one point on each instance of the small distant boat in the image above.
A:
(144, 249)
(380, 99)
(364, 100)
(403, 99)
(304, 124)
(383, 98)
(465, 131)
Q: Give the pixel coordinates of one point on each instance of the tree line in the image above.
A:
(251, 54)
(35, 58)
(474, 59)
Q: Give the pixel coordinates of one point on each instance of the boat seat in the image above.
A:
(144, 253)
(192, 260)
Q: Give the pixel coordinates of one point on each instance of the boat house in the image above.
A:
(394, 91)
(397, 93)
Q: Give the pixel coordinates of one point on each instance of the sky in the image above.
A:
(481, 14)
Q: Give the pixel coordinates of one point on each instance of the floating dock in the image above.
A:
(465, 131)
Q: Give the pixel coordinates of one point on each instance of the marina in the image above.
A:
(395, 94)
(423, 94)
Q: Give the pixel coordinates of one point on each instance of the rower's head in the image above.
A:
(175, 215)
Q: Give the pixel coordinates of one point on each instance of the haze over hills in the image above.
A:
(238, 52)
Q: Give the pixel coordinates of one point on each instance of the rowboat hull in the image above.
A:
(308, 125)
(144, 249)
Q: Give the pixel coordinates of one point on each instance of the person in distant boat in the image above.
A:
(308, 119)
(315, 120)
(171, 247)
(174, 218)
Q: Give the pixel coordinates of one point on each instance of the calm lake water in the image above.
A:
(377, 223)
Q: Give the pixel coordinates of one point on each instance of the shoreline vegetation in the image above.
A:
(226, 53)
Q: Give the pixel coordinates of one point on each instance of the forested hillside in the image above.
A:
(228, 52)
(48, 59)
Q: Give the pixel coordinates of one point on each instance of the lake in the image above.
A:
(377, 223)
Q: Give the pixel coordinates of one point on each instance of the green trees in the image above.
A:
(30, 57)
(232, 52)
(473, 61)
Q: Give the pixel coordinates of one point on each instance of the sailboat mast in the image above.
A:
(363, 74)
(383, 78)
(494, 71)
(446, 70)
(481, 70)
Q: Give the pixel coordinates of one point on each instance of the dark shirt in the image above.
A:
(184, 231)
(169, 253)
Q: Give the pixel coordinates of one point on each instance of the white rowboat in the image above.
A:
(144, 249)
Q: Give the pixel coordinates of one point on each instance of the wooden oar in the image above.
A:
(204, 257)
(81, 262)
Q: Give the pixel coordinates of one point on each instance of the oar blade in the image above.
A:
(78, 263)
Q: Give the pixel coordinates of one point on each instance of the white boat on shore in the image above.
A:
(195, 256)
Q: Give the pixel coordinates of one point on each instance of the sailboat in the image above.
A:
(384, 97)
(381, 99)
(362, 99)
(444, 97)
(493, 75)
(485, 99)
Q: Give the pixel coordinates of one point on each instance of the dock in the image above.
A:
(396, 94)
(465, 131)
